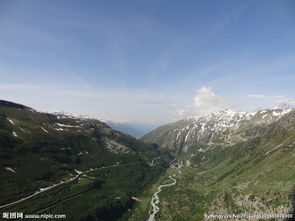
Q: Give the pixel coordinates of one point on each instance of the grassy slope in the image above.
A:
(41, 159)
(257, 175)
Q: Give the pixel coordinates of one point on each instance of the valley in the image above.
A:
(223, 163)
(147, 110)
(235, 163)
(155, 198)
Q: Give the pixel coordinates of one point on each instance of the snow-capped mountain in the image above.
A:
(67, 114)
(59, 112)
(225, 127)
(132, 129)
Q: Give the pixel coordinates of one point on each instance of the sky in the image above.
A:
(147, 61)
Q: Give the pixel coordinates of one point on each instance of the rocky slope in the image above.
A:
(222, 128)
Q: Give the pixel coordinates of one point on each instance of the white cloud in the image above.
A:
(206, 101)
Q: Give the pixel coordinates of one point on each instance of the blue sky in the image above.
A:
(149, 62)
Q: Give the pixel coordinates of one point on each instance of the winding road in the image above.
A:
(42, 190)
(155, 198)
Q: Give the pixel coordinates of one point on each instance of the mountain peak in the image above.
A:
(221, 128)
(12, 104)
(284, 106)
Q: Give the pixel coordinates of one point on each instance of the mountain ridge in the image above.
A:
(224, 127)
(248, 167)
(40, 150)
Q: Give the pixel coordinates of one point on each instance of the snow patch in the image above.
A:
(23, 130)
(201, 150)
(44, 130)
(203, 128)
(64, 125)
(286, 111)
(178, 134)
(77, 171)
(10, 169)
(11, 121)
(276, 114)
(187, 136)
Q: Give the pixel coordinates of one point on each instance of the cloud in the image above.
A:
(253, 102)
(277, 100)
(206, 101)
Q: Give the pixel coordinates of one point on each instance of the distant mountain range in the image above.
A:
(132, 129)
(221, 128)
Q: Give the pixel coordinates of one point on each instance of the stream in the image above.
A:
(155, 198)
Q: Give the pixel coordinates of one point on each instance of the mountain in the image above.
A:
(237, 163)
(131, 129)
(222, 128)
(228, 163)
(50, 162)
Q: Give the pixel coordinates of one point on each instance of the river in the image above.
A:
(156, 199)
